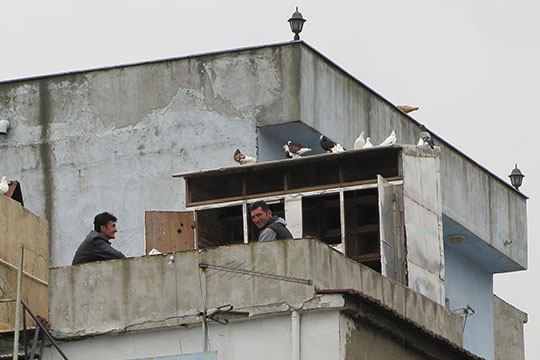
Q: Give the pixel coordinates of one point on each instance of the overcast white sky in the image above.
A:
(471, 66)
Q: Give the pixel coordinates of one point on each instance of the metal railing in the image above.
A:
(45, 334)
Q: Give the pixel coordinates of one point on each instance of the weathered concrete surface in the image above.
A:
(508, 330)
(261, 337)
(19, 227)
(339, 106)
(110, 139)
(149, 292)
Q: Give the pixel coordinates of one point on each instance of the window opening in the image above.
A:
(362, 227)
(220, 226)
(321, 218)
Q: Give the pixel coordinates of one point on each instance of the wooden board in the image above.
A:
(19, 227)
(169, 231)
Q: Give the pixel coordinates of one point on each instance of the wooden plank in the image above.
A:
(19, 227)
(169, 231)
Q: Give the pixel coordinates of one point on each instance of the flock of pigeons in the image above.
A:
(295, 150)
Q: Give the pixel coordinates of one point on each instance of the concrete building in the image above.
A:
(110, 139)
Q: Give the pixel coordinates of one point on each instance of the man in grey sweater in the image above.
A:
(97, 246)
(271, 227)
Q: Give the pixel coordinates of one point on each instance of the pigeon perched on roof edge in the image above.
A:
(368, 143)
(241, 158)
(425, 138)
(360, 141)
(390, 140)
(329, 145)
(407, 108)
(294, 150)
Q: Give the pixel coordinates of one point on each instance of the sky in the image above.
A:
(471, 66)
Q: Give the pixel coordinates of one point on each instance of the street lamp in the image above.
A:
(297, 23)
(516, 177)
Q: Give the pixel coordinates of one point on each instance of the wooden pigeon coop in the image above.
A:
(355, 201)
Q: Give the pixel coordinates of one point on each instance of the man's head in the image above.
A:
(105, 224)
(260, 213)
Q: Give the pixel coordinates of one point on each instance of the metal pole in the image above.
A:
(295, 335)
(203, 267)
(18, 307)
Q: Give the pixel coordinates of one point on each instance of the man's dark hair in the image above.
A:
(103, 219)
(259, 204)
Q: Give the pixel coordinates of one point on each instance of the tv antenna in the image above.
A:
(239, 271)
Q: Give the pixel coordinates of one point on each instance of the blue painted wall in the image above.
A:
(468, 283)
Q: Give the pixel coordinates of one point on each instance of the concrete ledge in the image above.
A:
(101, 297)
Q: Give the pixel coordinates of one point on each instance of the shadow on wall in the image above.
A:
(273, 137)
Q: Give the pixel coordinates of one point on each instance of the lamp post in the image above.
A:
(297, 23)
(516, 177)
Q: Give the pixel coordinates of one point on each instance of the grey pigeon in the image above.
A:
(425, 137)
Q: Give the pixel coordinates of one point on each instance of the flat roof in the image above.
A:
(290, 162)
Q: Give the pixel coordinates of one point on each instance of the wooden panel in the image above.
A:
(169, 231)
(19, 227)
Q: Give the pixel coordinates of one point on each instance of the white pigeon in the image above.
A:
(360, 141)
(4, 185)
(390, 140)
(368, 143)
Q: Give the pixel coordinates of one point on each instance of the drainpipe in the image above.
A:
(295, 335)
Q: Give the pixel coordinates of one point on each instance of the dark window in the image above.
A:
(362, 227)
(221, 226)
(214, 187)
(321, 218)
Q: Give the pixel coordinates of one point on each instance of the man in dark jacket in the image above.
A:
(271, 227)
(97, 246)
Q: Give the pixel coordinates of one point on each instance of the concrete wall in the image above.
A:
(86, 142)
(336, 104)
(109, 140)
(508, 329)
(371, 333)
(19, 227)
(123, 294)
(469, 284)
(261, 338)
(331, 327)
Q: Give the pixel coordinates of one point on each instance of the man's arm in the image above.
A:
(267, 235)
(105, 251)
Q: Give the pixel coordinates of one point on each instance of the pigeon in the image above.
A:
(330, 146)
(390, 140)
(241, 158)
(360, 141)
(425, 138)
(368, 143)
(407, 109)
(293, 150)
(4, 185)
